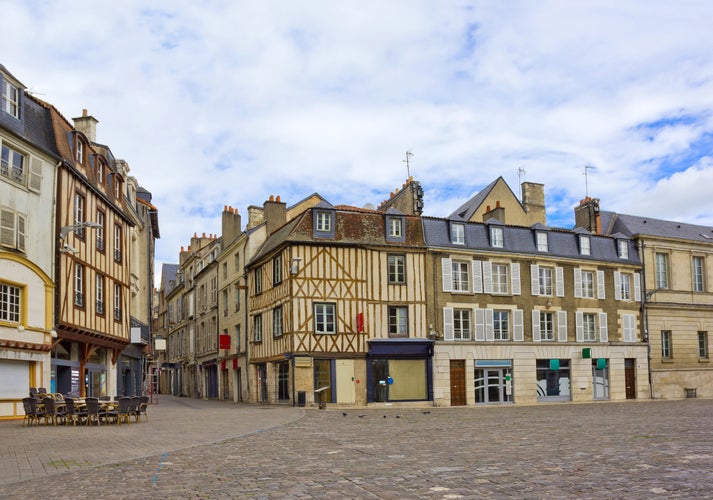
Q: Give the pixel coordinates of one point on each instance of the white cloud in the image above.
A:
(227, 102)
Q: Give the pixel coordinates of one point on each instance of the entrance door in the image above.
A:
(630, 377)
(380, 375)
(346, 392)
(600, 381)
(457, 382)
(493, 385)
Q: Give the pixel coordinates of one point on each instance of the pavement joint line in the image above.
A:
(160, 465)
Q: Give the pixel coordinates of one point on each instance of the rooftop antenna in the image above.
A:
(409, 154)
(586, 179)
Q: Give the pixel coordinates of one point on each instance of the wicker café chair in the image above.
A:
(72, 413)
(33, 414)
(143, 406)
(52, 413)
(93, 414)
(135, 403)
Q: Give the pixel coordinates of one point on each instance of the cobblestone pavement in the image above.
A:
(627, 450)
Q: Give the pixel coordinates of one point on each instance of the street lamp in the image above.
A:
(64, 232)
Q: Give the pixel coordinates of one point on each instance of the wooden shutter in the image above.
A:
(447, 275)
(601, 288)
(536, 325)
(617, 285)
(518, 327)
(35, 180)
(487, 277)
(559, 281)
(579, 321)
(489, 326)
(637, 287)
(480, 325)
(535, 279)
(603, 329)
(20, 232)
(577, 283)
(628, 325)
(7, 228)
(448, 323)
(515, 278)
(562, 326)
(478, 270)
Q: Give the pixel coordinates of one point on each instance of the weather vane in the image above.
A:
(409, 154)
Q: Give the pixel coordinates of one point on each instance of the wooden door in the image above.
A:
(457, 382)
(346, 391)
(630, 377)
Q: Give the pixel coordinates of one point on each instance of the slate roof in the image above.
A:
(470, 207)
(168, 274)
(633, 226)
(521, 240)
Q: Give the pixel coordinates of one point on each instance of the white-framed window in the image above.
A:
(625, 286)
(583, 283)
(496, 237)
(277, 270)
(79, 214)
(541, 241)
(99, 293)
(79, 152)
(462, 324)
(501, 278)
(13, 164)
(396, 269)
(589, 330)
(623, 249)
(100, 231)
(257, 328)
(78, 284)
(698, 274)
(398, 321)
(501, 325)
(11, 99)
(325, 318)
(10, 302)
(117, 242)
(544, 280)
(100, 172)
(703, 345)
(585, 244)
(460, 275)
(547, 325)
(457, 233)
(666, 345)
(12, 229)
(117, 302)
(395, 227)
(258, 280)
(661, 270)
(324, 221)
(277, 327)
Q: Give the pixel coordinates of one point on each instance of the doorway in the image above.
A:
(630, 377)
(457, 382)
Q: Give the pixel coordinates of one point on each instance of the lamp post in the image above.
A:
(645, 309)
(64, 232)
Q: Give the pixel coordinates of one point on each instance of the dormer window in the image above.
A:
(585, 245)
(623, 249)
(394, 228)
(79, 152)
(541, 241)
(323, 223)
(100, 172)
(496, 237)
(458, 234)
(11, 99)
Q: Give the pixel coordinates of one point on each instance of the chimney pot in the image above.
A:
(277, 199)
(272, 198)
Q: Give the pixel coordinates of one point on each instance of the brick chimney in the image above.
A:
(275, 213)
(587, 215)
(497, 213)
(231, 225)
(87, 125)
(533, 201)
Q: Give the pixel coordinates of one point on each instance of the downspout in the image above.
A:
(645, 314)
(55, 263)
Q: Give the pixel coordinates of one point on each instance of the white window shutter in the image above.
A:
(487, 277)
(617, 285)
(536, 325)
(35, 181)
(628, 324)
(518, 327)
(448, 323)
(562, 326)
(515, 278)
(579, 322)
(637, 287)
(447, 274)
(603, 329)
(489, 327)
(7, 228)
(478, 276)
(535, 279)
(20, 232)
(577, 283)
(480, 325)
(559, 277)
(601, 287)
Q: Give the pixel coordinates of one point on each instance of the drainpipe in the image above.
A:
(645, 313)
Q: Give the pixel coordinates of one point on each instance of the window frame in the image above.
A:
(623, 248)
(542, 242)
(118, 241)
(13, 236)
(257, 278)
(323, 311)
(395, 228)
(497, 237)
(257, 327)
(698, 274)
(117, 302)
(277, 270)
(547, 326)
(587, 284)
(661, 268)
(8, 167)
(99, 294)
(398, 321)
(463, 274)
(323, 223)
(463, 318)
(11, 302)
(500, 280)
(545, 274)
(666, 344)
(10, 103)
(625, 280)
(589, 327)
(457, 232)
(396, 269)
(101, 220)
(703, 345)
(277, 322)
(585, 244)
(78, 280)
(500, 317)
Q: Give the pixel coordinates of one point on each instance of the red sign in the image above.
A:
(235, 363)
(224, 341)
(360, 323)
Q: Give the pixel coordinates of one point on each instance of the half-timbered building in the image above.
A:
(337, 309)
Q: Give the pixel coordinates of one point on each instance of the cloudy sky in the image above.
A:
(225, 102)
